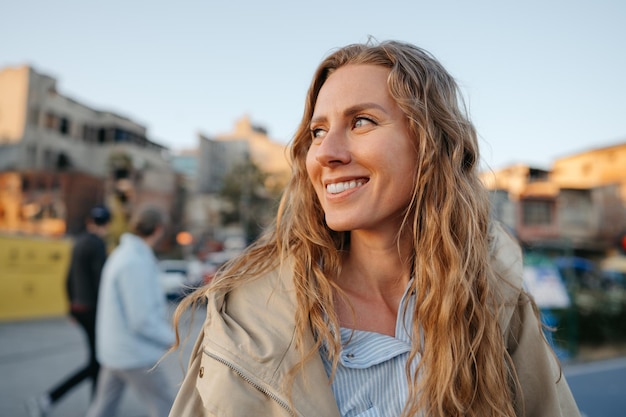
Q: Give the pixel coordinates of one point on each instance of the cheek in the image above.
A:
(312, 167)
(405, 164)
(314, 172)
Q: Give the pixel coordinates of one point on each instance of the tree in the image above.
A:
(249, 201)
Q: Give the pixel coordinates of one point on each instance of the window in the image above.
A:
(575, 208)
(537, 212)
(50, 121)
(64, 126)
(26, 184)
(121, 135)
(102, 135)
(535, 174)
(63, 163)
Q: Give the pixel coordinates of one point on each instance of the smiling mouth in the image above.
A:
(340, 187)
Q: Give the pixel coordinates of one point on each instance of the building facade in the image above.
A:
(579, 204)
(216, 158)
(45, 133)
(269, 155)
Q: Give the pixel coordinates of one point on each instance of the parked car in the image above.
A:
(214, 261)
(209, 269)
(582, 273)
(544, 282)
(614, 270)
(579, 273)
(177, 277)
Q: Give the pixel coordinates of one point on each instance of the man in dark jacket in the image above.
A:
(83, 281)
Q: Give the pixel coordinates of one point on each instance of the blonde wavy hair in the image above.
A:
(464, 369)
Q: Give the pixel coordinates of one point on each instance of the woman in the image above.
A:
(383, 288)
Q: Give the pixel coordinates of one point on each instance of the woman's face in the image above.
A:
(361, 161)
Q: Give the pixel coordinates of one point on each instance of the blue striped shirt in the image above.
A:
(370, 379)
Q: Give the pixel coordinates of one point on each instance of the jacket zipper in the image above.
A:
(249, 380)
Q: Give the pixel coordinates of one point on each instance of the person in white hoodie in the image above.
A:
(132, 325)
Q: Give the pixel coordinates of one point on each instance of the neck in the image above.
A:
(148, 240)
(380, 265)
(153, 239)
(373, 278)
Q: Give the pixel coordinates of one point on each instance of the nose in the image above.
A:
(334, 149)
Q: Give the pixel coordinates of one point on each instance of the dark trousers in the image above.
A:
(87, 321)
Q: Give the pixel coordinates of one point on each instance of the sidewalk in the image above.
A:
(36, 354)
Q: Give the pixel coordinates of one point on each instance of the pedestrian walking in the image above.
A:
(132, 325)
(383, 288)
(83, 281)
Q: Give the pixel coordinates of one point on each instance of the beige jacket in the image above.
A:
(246, 349)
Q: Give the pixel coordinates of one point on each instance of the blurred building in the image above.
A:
(50, 144)
(251, 142)
(206, 167)
(579, 204)
(185, 163)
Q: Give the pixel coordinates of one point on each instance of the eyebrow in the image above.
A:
(352, 110)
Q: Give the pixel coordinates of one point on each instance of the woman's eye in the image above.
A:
(362, 121)
(317, 133)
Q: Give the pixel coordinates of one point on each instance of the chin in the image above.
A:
(339, 226)
(338, 229)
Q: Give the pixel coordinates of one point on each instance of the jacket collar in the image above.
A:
(252, 329)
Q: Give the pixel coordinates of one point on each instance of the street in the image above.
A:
(599, 387)
(36, 354)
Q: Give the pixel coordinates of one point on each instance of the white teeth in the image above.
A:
(340, 187)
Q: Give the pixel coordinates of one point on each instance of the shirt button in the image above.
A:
(201, 372)
(350, 356)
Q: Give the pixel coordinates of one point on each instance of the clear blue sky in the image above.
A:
(542, 79)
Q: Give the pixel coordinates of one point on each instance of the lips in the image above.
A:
(339, 187)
